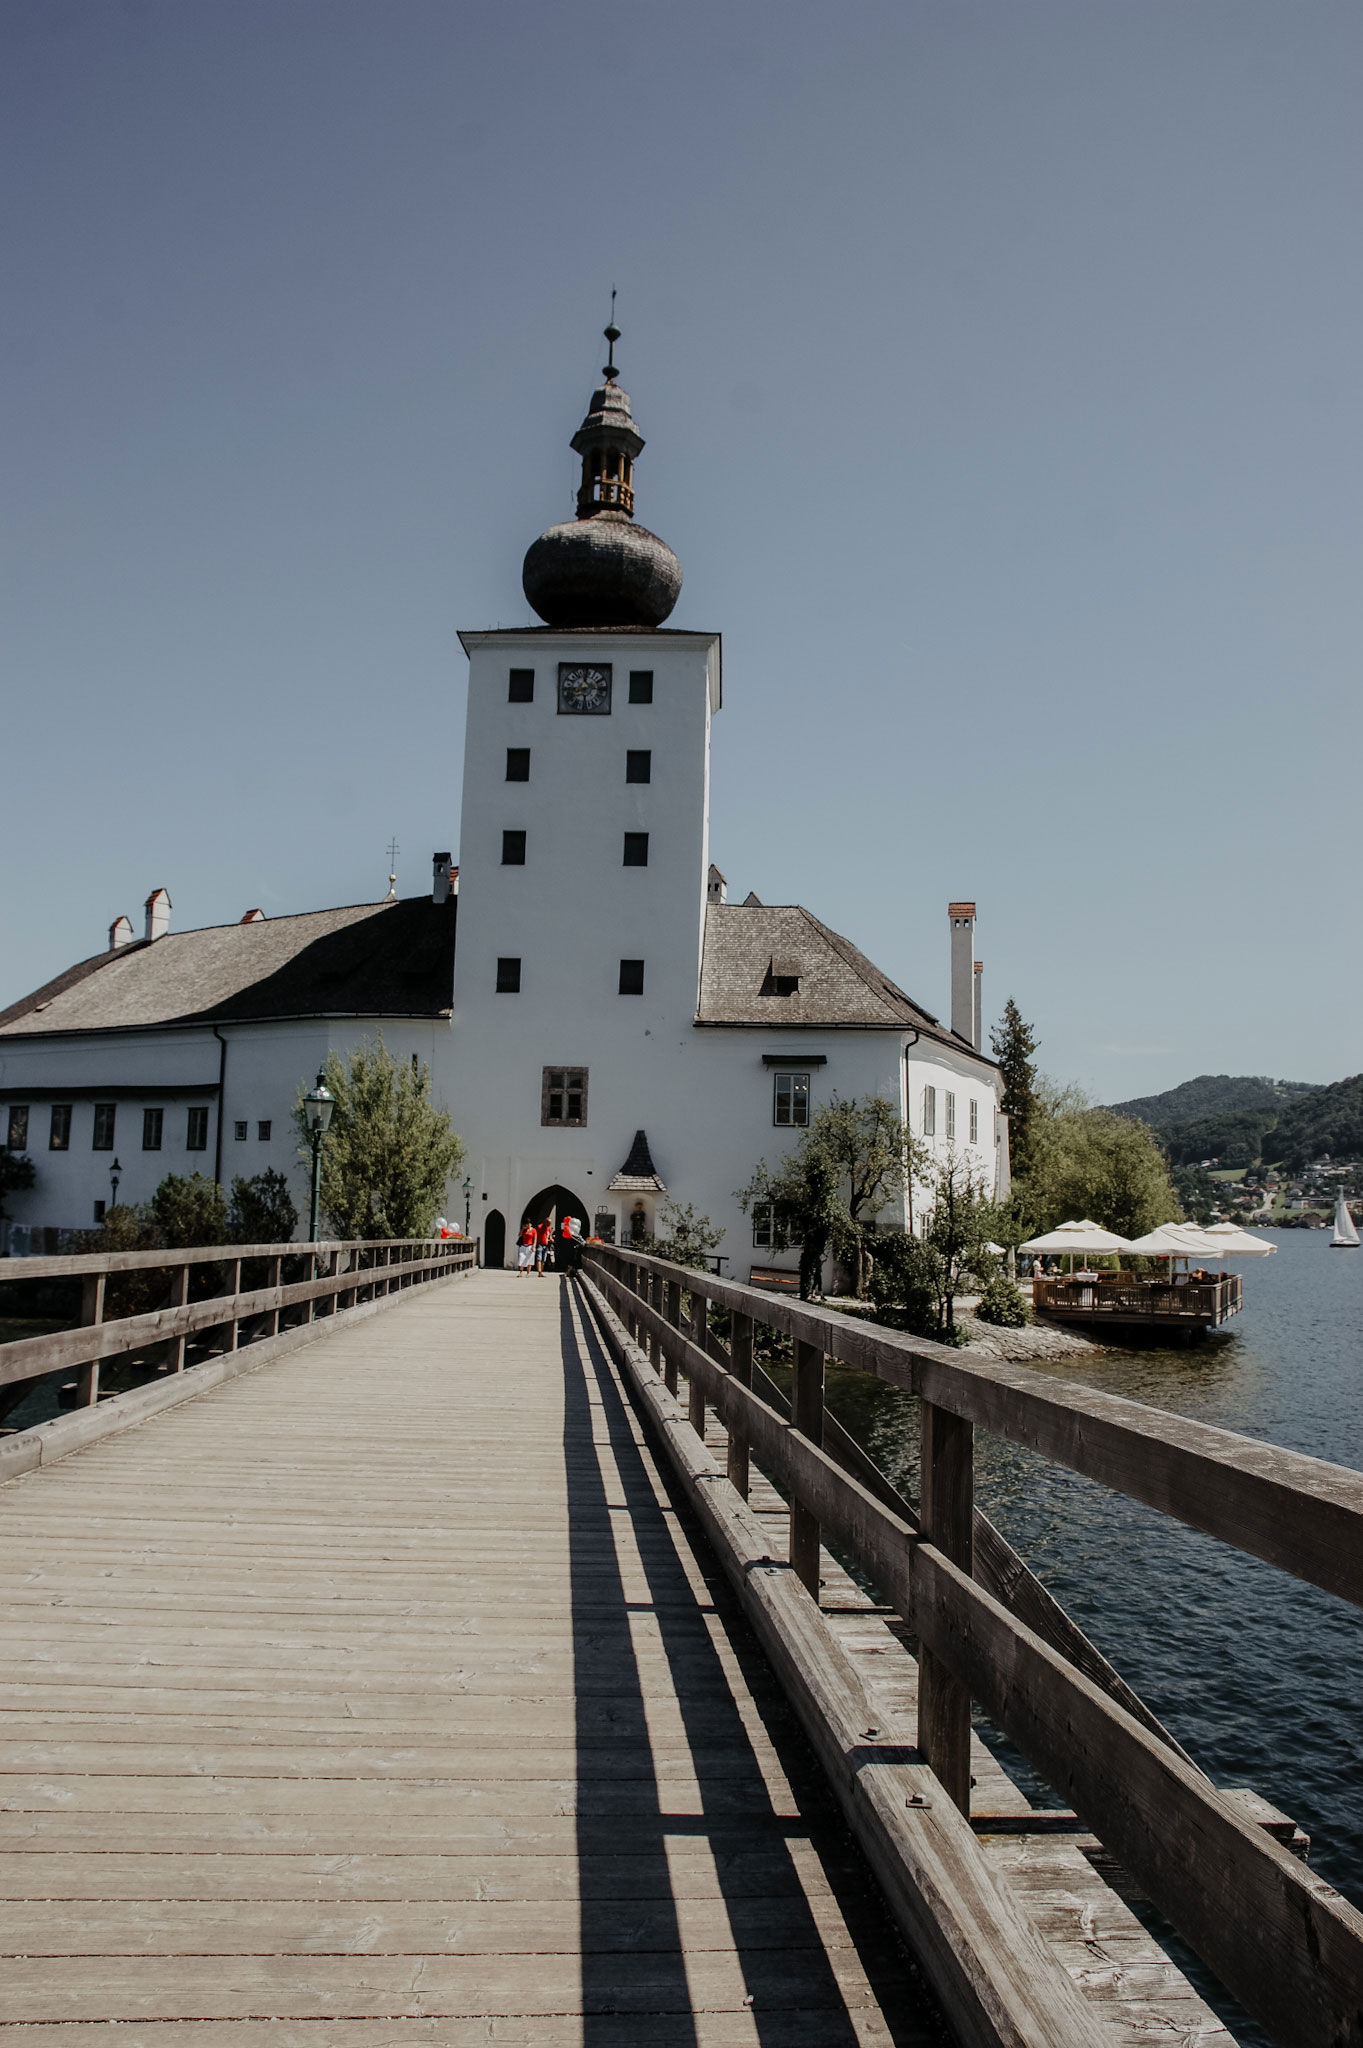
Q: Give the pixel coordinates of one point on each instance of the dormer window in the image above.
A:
(782, 977)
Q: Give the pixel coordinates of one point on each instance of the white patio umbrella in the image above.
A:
(1234, 1243)
(1084, 1236)
(1171, 1241)
(995, 1251)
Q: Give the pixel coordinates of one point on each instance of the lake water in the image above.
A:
(1259, 1676)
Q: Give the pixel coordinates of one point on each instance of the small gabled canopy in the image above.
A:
(638, 1175)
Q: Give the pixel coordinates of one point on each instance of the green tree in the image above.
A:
(188, 1210)
(957, 1228)
(261, 1210)
(684, 1237)
(1087, 1162)
(1014, 1043)
(389, 1152)
(16, 1171)
(827, 1193)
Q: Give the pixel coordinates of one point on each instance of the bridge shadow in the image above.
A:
(711, 1876)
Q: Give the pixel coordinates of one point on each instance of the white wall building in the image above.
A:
(607, 1030)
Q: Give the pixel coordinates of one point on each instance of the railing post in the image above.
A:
(695, 1404)
(655, 1302)
(274, 1269)
(91, 1311)
(806, 1412)
(179, 1295)
(740, 1358)
(947, 1510)
(672, 1310)
(234, 1326)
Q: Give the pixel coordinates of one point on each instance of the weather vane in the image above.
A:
(612, 335)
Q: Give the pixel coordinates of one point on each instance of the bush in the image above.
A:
(1002, 1303)
(901, 1281)
(261, 1210)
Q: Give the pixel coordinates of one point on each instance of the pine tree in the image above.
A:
(1013, 1043)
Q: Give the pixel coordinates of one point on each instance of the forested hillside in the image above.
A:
(1327, 1120)
(1241, 1118)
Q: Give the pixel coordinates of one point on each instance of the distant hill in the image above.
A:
(1327, 1120)
(1238, 1119)
(1212, 1095)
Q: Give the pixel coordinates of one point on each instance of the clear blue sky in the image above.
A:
(999, 366)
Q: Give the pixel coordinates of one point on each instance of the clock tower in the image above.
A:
(584, 852)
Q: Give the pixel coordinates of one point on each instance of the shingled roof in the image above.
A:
(364, 960)
(753, 949)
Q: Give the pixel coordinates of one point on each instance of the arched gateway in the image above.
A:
(552, 1205)
(494, 1238)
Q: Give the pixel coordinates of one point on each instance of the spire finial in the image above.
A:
(612, 333)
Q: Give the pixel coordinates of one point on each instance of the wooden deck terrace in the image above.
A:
(433, 1676)
(1123, 1298)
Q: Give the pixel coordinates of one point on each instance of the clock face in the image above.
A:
(584, 687)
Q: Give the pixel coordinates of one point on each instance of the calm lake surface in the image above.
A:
(1259, 1676)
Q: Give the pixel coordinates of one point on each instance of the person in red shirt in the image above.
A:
(525, 1249)
(570, 1243)
(544, 1238)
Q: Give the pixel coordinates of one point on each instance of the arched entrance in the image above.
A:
(494, 1239)
(552, 1205)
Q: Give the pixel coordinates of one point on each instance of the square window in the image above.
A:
(263, 1129)
(563, 1095)
(100, 1209)
(522, 689)
(105, 1112)
(508, 977)
(513, 849)
(196, 1131)
(631, 977)
(951, 1114)
(518, 764)
(18, 1126)
(790, 1100)
(59, 1136)
(239, 1131)
(639, 765)
(974, 1121)
(929, 1112)
(152, 1122)
(761, 1225)
(641, 686)
(636, 849)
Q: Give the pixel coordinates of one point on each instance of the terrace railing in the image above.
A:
(1287, 1945)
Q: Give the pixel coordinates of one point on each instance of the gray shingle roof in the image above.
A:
(748, 945)
(366, 959)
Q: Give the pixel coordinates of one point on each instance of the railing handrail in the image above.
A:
(1302, 1514)
(1285, 1942)
(79, 1265)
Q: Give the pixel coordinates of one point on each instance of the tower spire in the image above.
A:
(612, 333)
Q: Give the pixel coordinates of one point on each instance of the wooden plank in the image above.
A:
(807, 1416)
(948, 1464)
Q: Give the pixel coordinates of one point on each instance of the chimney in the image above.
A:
(716, 888)
(978, 1035)
(158, 909)
(962, 917)
(443, 884)
(120, 933)
(254, 917)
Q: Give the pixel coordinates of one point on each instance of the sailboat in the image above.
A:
(1346, 1230)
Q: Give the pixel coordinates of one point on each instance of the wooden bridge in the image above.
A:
(424, 1672)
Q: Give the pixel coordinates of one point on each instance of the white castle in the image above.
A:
(605, 1028)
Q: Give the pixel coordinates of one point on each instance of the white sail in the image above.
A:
(1346, 1230)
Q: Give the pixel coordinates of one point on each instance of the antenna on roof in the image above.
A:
(612, 334)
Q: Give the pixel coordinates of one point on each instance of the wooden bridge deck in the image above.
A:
(379, 1698)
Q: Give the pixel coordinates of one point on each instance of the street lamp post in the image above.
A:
(468, 1189)
(115, 1175)
(318, 1104)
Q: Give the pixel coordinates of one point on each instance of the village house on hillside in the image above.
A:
(600, 1049)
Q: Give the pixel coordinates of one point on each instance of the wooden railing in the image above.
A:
(1287, 1945)
(338, 1275)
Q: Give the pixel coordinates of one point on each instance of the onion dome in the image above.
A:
(600, 569)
